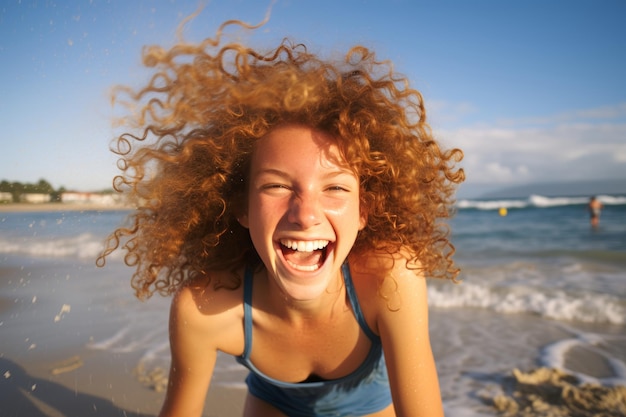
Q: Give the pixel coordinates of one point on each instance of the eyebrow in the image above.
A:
(335, 173)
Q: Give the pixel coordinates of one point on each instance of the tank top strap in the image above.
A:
(354, 301)
(247, 311)
(247, 307)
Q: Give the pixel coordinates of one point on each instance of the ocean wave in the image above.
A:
(537, 201)
(83, 246)
(491, 204)
(557, 305)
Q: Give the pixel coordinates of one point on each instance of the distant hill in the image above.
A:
(561, 189)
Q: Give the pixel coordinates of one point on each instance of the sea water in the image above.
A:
(539, 287)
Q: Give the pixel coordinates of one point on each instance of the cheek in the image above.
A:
(263, 214)
(341, 207)
(348, 212)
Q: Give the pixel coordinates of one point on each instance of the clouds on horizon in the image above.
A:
(582, 144)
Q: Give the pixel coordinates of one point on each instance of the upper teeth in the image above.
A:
(304, 245)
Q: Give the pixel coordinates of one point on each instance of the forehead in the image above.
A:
(295, 145)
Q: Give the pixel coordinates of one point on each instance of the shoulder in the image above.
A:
(203, 321)
(385, 273)
(387, 284)
(397, 308)
(209, 314)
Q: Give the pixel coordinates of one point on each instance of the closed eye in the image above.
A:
(275, 188)
(337, 188)
(270, 186)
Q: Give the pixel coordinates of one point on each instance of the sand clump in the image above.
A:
(550, 392)
(156, 379)
(66, 365)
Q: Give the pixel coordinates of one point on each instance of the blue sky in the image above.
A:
(532, 91)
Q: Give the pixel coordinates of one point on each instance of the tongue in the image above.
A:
(302, 258)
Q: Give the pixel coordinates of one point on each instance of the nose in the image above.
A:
(305, 210)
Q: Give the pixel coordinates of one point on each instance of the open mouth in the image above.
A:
(304, 255)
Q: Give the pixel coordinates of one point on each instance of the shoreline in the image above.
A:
(58, 207)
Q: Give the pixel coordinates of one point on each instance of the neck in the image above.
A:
(299, 311)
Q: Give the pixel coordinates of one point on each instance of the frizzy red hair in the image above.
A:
(198, 119)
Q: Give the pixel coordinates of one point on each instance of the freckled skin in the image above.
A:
(301, 190)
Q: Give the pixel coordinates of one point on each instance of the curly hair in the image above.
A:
(194, 125)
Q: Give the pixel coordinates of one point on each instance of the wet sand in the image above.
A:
(47, 368)
(89, 383)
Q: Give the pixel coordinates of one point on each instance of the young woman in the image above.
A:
(293, 206)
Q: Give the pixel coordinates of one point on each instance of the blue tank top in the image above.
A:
(362, 392)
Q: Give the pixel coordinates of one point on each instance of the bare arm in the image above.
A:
(403, 327)
(193, 358)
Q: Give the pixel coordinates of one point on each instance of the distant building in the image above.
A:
(70, 197)
(6, 197)
(35, 198)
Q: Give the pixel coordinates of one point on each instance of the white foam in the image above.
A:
(612, 200)
(491, 204)
(557, 305)
(541, 201)
(82, 246)
(536, 201)
(110, 342)
(555, 356)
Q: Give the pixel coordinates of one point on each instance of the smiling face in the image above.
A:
(303, 209)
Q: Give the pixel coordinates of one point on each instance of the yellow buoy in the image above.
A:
(503, 211)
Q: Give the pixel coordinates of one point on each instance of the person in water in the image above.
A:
(595, 208)
(294, 206)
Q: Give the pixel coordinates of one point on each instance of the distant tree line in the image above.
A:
(41, 187)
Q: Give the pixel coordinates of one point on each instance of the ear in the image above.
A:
(243, 220)
(362, 219)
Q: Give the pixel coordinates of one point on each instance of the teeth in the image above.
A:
(304, 245)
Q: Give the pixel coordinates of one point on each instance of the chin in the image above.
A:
(304, 284)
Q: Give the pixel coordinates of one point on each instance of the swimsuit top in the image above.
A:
(362, 392)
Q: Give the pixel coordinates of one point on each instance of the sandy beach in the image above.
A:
(48, 368)
(91, 384)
